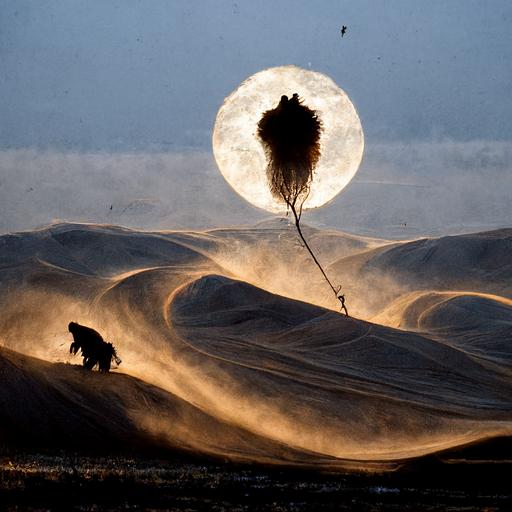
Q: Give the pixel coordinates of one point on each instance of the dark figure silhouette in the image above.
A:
(341, 298)
(95, 350)
(290, 134)
(343, 30)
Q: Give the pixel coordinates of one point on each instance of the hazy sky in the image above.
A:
(109, 75)
(107, 108)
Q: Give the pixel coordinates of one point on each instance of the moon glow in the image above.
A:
(240, 155)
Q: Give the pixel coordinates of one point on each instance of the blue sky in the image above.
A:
(116, 100)
(123, 75)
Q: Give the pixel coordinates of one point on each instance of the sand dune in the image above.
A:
(75, 409)
(221, 364)
(480, 324)
(478, 262)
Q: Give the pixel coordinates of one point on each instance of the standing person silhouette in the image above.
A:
(341, 298)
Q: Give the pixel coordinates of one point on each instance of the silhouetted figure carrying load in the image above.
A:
(95, 350)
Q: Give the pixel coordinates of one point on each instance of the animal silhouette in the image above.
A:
(95, 350)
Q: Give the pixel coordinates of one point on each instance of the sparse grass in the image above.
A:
(77, 482)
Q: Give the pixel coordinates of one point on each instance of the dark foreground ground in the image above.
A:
(79, 482)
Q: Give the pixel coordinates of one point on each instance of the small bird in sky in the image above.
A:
(343, 30)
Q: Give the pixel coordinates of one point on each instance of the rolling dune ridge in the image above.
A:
(231, 347)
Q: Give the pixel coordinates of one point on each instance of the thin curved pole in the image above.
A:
(297, 216)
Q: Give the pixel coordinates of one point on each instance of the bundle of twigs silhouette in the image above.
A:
(290, 134)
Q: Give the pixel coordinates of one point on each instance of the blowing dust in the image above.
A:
(280, 264)
(220, 367)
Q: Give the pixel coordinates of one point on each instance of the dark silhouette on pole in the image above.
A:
(290, 134)
(341, 298)
(95, 350)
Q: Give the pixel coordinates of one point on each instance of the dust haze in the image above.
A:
(225, 352)
(402, 191)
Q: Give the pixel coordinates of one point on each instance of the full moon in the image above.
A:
(240, 155)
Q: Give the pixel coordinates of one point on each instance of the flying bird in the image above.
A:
(343, 30)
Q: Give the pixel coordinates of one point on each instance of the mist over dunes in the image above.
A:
(402, 191)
